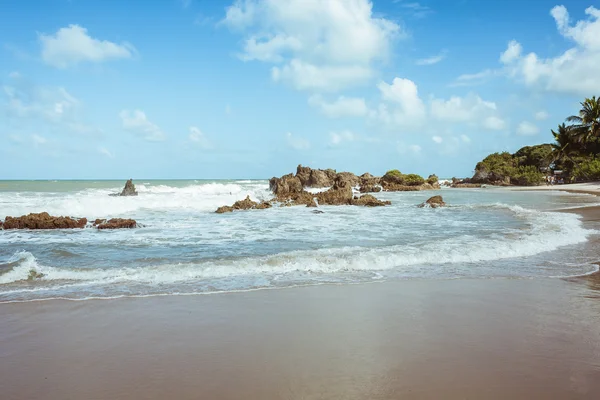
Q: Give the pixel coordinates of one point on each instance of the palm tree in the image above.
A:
(565, 147)
(586, 125)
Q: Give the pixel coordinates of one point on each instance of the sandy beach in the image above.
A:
(411, 339)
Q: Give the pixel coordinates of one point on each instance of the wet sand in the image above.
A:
(444, 339)
(456, 339)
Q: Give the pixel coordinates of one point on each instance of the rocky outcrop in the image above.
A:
(129, 189)
(369, 183)
(368, 200)
(43, 221)
(286, 185)
(115, 223)
(339, 194)
(349, 177)
(433, 202)
(246, 204)
(369, 189)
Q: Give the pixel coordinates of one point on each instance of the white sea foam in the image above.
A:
(546, 232)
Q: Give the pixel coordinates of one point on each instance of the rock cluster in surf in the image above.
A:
(46, 221)
(433, 202)
(290, 189)
(128, 190)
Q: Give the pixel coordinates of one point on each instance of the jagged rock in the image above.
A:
(43, 221)
(246, 204)
(263, 205)
(368, 200)
(349, 177)
(433, 202)
(115, 223)
(320, 178)
(286, 185)
(369, 188)
(339, 194)
(303, 174)
(129, 189)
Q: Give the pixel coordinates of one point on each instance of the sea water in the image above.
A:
(183, 247)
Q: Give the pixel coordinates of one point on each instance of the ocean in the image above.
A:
(183, 247)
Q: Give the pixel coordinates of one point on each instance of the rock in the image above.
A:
(369, 188)
(129, 189)
(433, 202)
(317, 212)
(319, 178)
(312, 203)
(349, 177)
(368, 200)
(339, 194)
(466, 185)
(263, 205)
(43, 221)
(99, 221)
(116, 223)
(303, 174)
(245, 204)
(434, 181)
(286, 185)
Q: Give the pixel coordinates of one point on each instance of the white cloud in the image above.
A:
(465, 138)
(474, 79)
(322, 45)
(575, 71)
(460, 109)
(331, 78)
(437, 139)
(137, 123)
(432, 60)
(402, 105)
(337, 138)
(198, 138)
(403, 148)
(541, 115)
(512, 52)
(297, 143)
(342, 107)
(527, 128)
(494, 123)
(415, 148)
(105, 152)
(38, 140)
(72, 45)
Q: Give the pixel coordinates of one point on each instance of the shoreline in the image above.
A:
(412, 339)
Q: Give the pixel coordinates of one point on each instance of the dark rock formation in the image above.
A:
(349, 177)
(317, 212)
(315, 178)
(369, 189)
(224, 209)
(340, 193)
(43, 221)
(263, 205)
(433, 202)
(368, 200)
(129, 189)
(115, 223)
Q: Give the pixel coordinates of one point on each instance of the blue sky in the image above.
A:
(251, 88)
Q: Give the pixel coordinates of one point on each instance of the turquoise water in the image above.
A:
(184, 247)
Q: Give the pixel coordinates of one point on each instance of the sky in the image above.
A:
(211, 89)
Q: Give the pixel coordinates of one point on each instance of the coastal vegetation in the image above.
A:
(574, 154)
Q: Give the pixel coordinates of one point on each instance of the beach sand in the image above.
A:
(434, 339)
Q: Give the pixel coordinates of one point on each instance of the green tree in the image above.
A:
(586, 125)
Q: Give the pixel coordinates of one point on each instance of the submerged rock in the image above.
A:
(246, 204)
(33, 275)
(43, 221)
(115, 223)
(433, 202)
(368, 200)
(129, 189)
